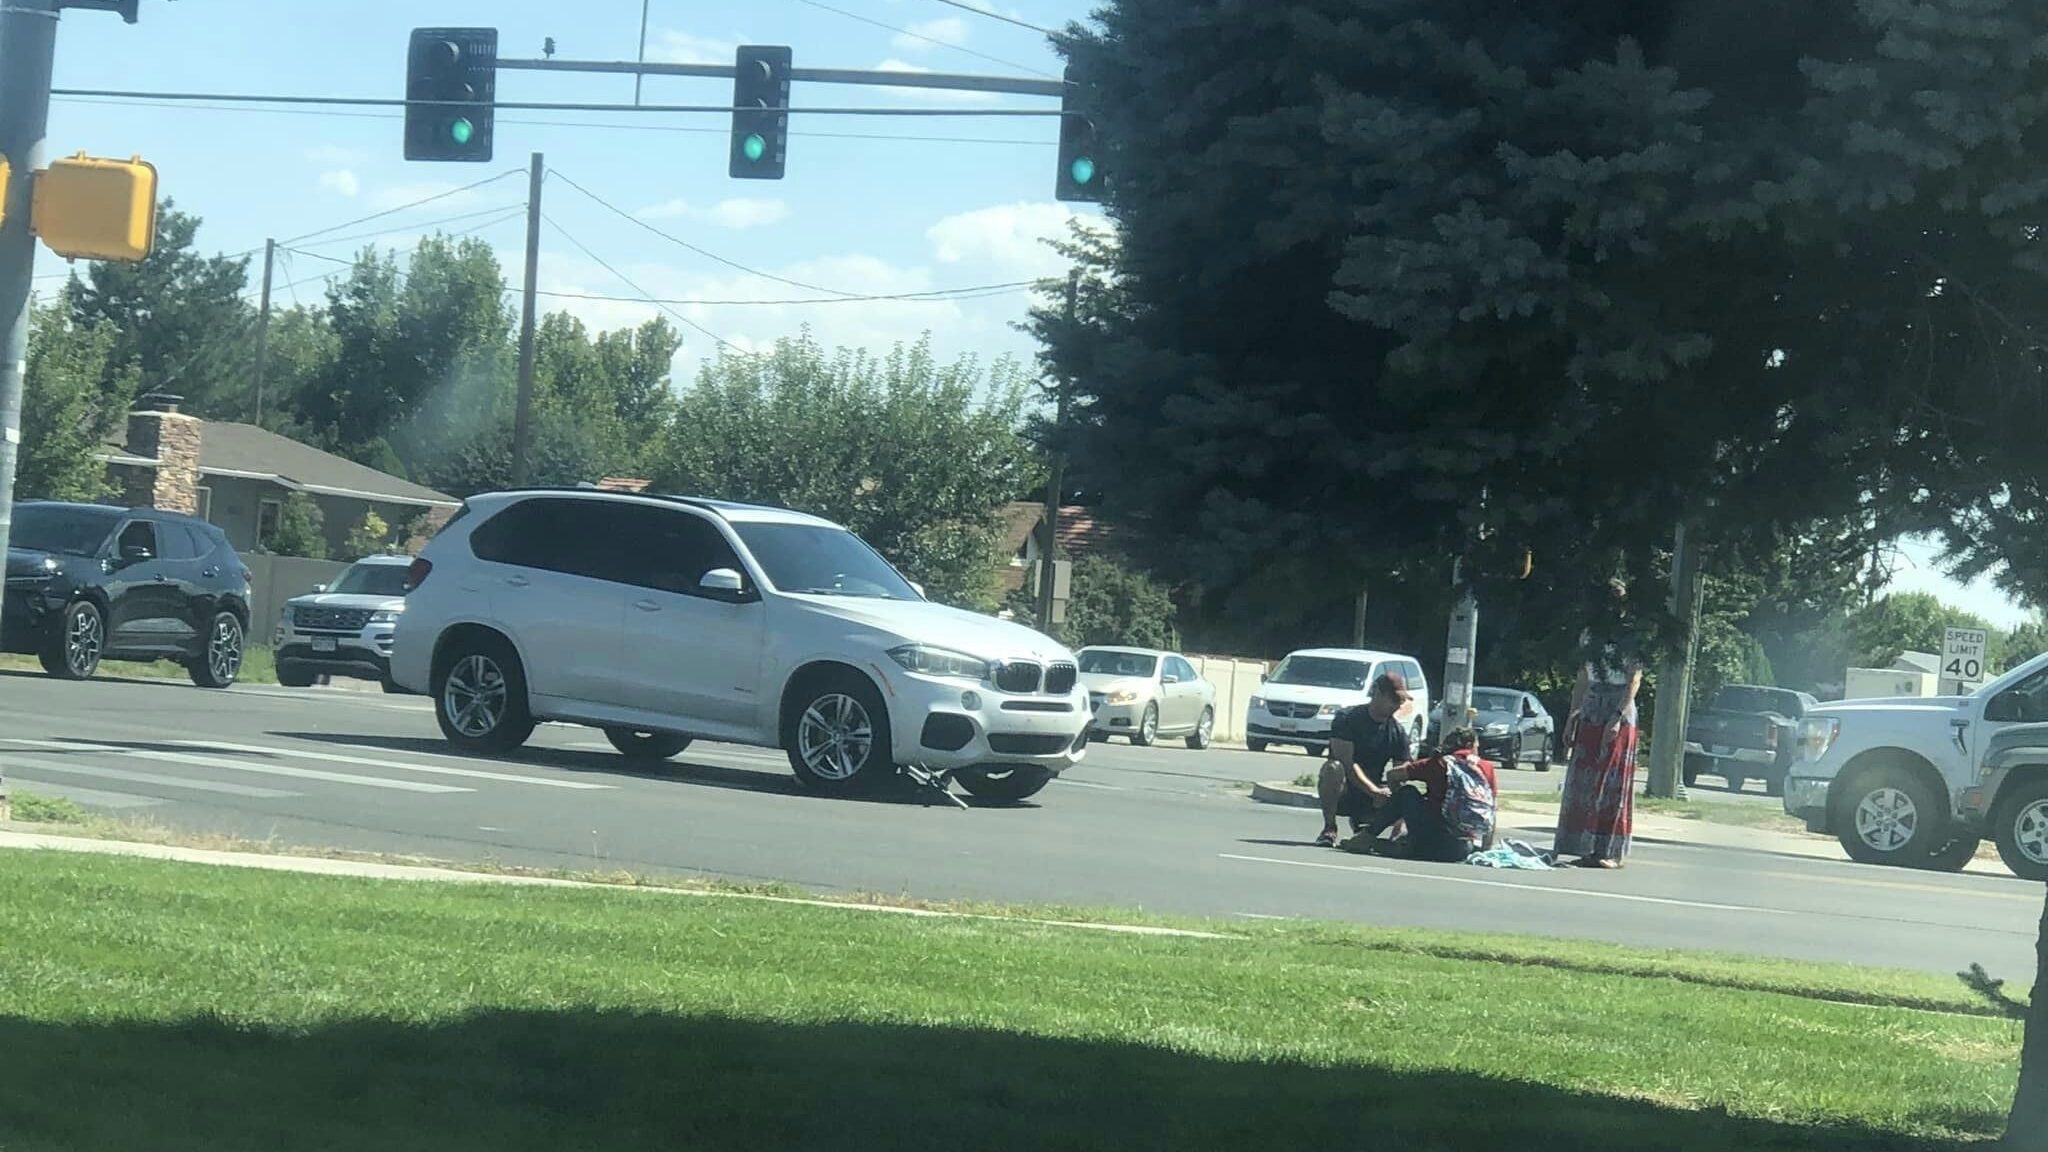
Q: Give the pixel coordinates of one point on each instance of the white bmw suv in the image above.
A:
(664, 619)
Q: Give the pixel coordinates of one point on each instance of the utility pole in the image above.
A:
(638, 77)
(522, 418)
(1358, 617)
(1055, 485)
(1674, 679)
(1460, 663)
(263, 326)
(28, 48)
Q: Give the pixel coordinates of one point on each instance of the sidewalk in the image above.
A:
(1537, 823)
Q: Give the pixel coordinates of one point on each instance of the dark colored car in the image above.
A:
(87, 583)
(1513, 727)
(1747, 732)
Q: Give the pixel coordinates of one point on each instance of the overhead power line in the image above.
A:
(535, 105)
(494, 210)
(644, 295)
(886, 27)
(681, 243)
(419, 203)
(603, 125)
(965, 7)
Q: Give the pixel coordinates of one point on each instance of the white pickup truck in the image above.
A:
(1920, 782)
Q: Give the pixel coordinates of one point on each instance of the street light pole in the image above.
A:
(1055, 485)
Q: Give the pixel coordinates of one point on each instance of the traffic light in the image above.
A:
(85, 208)
(760, 112)
(1080, 174)
(451, 86)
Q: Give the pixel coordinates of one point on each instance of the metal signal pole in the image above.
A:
(522, 417)
(1048, 559)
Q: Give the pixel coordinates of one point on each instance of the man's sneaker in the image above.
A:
(1328, 839)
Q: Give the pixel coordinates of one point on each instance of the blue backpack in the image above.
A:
(1468, 800)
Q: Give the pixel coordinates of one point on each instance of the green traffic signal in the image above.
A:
(1083, 170)
(754, 147)
(461, 130)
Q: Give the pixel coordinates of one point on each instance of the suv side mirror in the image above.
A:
(722, 584)
(319, 588)
(917, 588)
(135, 554)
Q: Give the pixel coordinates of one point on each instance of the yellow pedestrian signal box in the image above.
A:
(86, 208)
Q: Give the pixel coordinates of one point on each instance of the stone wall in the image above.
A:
(172, 439)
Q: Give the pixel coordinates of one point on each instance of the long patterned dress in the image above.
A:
(1598, 813)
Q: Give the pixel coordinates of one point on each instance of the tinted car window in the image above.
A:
(61, 529)
(663, 548)
(371, 580)
(557, 535)
(1412, 673)
(1323, 672)
(1182, 669)
(178, 541)
(139, 534)
(811, 558)
(1097, 662)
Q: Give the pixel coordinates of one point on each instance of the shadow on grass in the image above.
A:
(897, 790)
(507, 1081)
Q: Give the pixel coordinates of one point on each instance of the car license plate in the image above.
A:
(323, 643)
(1287, 725)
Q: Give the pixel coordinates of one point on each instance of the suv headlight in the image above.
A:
(928, 661)
(1328, 710)
(1816, 736)
(1258, 703)
(386, 617)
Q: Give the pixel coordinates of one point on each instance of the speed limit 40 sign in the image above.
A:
(1962, 660)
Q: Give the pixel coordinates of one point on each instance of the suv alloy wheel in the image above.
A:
(837, 734)
(220, 662)
(480, 696)
(74, 652)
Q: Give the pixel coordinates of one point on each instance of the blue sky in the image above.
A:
(870, 206)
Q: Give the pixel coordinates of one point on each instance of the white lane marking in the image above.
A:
(393, 765)
(89, 797)
(238, 765)
(1537, 888)
(98, 773)
(1091, 784)
(1260, 916)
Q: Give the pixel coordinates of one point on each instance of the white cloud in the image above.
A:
(666, 210)
(341, 180)
(735, 213)
(931, 95)
(1009, 239)
(671, 46)
(921, 36)
(748, 213)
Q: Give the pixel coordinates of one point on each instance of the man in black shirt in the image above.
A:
(1364, 740)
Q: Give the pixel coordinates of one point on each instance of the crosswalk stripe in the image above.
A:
(38, 764)
(90, 797)
(240, 765)
(394, 765)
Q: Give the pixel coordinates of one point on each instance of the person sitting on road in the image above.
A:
(1451, 817)
(1364, 740)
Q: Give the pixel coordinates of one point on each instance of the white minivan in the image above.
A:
(1300, 698)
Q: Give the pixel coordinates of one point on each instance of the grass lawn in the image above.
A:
(258, 667)
(182, 1007)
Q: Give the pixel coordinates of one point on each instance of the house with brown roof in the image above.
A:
(1024, 538)
(238, 477)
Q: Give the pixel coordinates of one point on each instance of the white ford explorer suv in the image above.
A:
(662, 620)
(1922, 781)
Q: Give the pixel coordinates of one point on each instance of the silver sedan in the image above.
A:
(1144, 694)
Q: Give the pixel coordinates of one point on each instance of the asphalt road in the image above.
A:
(1164, 829)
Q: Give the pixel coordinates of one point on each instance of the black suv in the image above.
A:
(87, 583)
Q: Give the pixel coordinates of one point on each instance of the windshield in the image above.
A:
(371, 580)
(1745, 699)
(1494, 701)
(807, 558)
(56, 528)
(1323, 672)
(1100, 663)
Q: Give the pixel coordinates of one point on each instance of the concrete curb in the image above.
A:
(1286, 795)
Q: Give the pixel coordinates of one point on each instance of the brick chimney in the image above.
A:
(158, 431)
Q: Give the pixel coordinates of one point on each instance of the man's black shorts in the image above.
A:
(1356, 806)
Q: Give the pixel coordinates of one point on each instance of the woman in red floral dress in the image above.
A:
(1596, 818)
